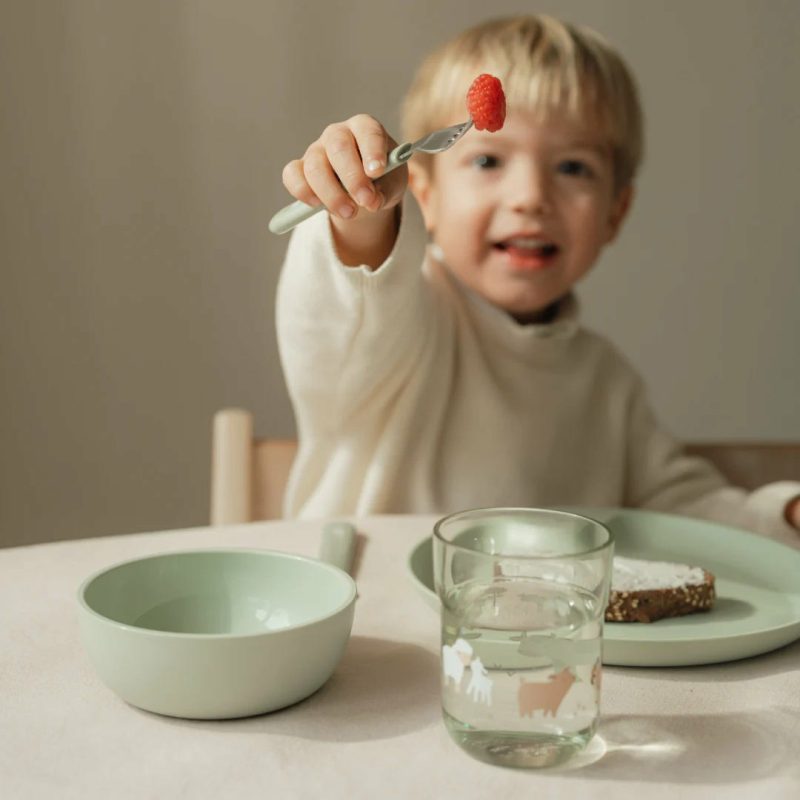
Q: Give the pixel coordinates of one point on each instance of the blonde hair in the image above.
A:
(543, 64)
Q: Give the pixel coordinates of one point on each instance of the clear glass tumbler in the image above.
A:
(523, 596)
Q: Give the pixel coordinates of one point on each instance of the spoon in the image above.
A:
(436, 142)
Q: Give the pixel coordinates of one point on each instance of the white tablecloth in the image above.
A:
(374, 731)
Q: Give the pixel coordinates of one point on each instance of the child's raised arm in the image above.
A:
(338, 170)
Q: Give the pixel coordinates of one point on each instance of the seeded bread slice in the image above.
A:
(646, 591)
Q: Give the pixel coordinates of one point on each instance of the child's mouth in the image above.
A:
(528, 253)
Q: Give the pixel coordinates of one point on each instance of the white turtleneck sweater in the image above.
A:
(414, 395)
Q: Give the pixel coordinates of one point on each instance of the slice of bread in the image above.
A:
(645, 591)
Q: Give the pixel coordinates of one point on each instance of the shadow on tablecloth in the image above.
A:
(692, 748)
(380, 689)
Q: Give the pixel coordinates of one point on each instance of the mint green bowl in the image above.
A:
(216, 634)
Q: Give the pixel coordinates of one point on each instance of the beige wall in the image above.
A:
(141, 145)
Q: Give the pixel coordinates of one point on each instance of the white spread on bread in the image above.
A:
(633, 575)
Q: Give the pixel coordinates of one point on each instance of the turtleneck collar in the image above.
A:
(563, 325)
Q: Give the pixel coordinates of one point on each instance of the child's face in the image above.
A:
(522, 214)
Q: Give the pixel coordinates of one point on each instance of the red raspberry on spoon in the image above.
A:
(486, 103)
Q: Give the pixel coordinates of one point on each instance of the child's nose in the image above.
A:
(529, 191)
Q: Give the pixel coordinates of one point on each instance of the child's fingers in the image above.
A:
(343, 153)
(373, 143)
(320, 176)
(296, 184)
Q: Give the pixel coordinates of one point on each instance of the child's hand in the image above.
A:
(792, 512)
(337, 170)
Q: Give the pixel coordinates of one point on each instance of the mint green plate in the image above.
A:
(757, 582)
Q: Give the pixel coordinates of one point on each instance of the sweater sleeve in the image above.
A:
(345, 334)
(662, 477)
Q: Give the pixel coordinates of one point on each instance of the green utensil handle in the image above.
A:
(338, 545)
(297, 212)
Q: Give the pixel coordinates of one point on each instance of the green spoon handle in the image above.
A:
(338, 545)
(297, 212)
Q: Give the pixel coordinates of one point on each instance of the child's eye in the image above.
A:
(484, 161)
(574, 167)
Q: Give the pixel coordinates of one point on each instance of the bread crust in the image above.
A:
(649, 605)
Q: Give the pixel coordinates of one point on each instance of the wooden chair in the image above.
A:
(248, 475)
(751, 464)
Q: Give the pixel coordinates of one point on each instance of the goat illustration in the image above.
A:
(545, 697)
(480, 685)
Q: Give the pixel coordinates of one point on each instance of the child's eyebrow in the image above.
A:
(581, 144)
(479, 137)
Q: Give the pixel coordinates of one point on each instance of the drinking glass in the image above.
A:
(523, 595)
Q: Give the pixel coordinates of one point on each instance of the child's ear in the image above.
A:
(619, 210)
(420, 182)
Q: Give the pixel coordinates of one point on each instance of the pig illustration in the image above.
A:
(545, 697)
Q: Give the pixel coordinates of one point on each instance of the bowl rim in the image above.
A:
(135, 629)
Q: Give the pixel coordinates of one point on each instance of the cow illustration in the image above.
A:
(545, 697)
(597, 674)
(455, 659)
(480, 685)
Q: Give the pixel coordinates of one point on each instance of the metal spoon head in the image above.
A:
(441, 140)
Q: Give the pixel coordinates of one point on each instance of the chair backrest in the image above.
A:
(752, 464)
(249, 475)
(273, 459)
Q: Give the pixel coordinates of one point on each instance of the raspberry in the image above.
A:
(486, 103)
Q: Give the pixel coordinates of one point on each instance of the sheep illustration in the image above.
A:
(480, 685)
(455, 659)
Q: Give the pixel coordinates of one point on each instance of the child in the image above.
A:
(470, 382)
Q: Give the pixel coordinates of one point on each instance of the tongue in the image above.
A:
(534, 252)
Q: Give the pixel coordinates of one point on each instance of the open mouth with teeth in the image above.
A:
(527, 253)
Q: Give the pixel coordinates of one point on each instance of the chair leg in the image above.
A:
(231, 467)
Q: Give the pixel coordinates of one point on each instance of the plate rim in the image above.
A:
(718, 640)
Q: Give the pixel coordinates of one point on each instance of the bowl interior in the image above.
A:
(229, 592)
